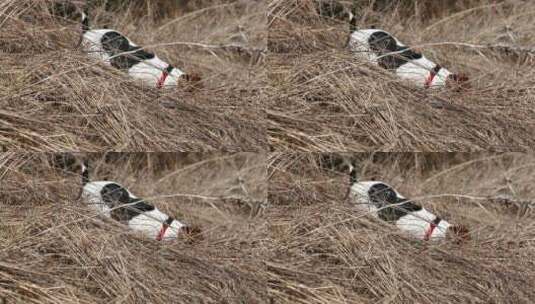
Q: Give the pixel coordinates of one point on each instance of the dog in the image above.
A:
(117, 50)
(383, 49)
(116, 202)
(384, 202)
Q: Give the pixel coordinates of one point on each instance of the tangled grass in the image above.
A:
(307, 246)
(275, 226)
(53, 249)
(54, 98)
(325, 251)
(325, 100)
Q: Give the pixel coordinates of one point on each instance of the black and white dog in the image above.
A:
(382, 201)
(116, 202)
(383, 49)
(117, 50)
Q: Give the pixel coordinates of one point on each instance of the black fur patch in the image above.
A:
(127, 213)
(114, 196)
(114, 43)
(382, 196)
(382, 43)
(394, 213)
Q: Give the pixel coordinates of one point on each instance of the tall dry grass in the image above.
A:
(307, 246)
(325, 100)
(325, 251)
(54, 98)
(53, 249)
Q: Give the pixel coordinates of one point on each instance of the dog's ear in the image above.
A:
(458, 233)
(192, 234)
(457, 81)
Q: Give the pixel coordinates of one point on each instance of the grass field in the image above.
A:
(306, 245)
(253, 157)
(54, 98)
(53, 249)
(325, 100)
(324, 251)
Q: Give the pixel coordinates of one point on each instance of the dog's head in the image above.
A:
(193, 81)
(192, 234)
(458, 233)
(457, 81)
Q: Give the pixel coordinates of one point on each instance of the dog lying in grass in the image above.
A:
(382, 201)
(385, 50)
(118, 51)
(381, 48)
(116, 202)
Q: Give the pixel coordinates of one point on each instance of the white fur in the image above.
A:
(350, 16)
(149, 223)
(417, 223)
(414, 224)
(148, 71)
(415, 71)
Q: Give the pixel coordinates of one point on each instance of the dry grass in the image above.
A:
(55, 250)
(325, 100)
(54, 98)
(324, 251)
(306, 247)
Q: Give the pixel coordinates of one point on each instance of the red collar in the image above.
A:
(432, 74)
(163, 77)
(164, 228)
(431, 228)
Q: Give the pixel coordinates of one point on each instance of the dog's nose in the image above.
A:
(458, 233)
